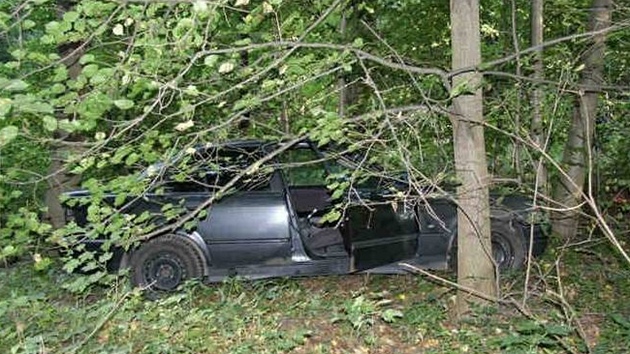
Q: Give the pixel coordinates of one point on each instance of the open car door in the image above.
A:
(381, 233)
(377, 230)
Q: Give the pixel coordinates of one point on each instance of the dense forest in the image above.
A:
(468, 99)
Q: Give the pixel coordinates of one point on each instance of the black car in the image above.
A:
(301, 211)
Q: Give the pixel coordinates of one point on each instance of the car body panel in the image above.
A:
(381, 233)
(247, 228)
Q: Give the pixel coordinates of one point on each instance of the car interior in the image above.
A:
(310, 199)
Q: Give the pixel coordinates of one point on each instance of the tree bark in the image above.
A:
(341, 80)
(519, 89)
(537, 132)
(60, 181)
(576, 159)
(475, 266)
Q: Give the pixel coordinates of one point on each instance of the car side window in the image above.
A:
(183, 177)
(184, 187)
(303, 167)
(208, 170)
(220, 166)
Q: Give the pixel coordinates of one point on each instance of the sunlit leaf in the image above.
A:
(124, 104)
(210, 60)
(184, 125)
(7, 134)
(118, 30)
(50, 123)
(15, 85)
(200, 6)
(267, 8)
(5, 107)
(226, 67)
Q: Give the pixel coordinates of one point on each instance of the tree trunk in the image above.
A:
(519, 89)
(577, 159)
(537, 132)
(475, 266)
(341, 80)
(60, 181)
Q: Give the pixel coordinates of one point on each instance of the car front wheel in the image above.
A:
(164, 263)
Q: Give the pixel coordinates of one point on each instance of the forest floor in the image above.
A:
(576, 304)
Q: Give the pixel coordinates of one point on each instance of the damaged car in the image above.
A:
(297, 213)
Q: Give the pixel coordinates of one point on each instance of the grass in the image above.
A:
(348, 314)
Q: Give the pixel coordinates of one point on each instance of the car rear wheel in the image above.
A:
(164, 263)
(508, 247)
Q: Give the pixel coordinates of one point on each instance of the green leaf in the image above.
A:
(50, 123)
(58, 88)
(132, 159)
(102, 76)
(53, 28)
(69, 126)
(390, 315)
(61, 73)
(87, 58)
(15, 85)
(18, 54)
(7, 134)
(558, 330)
(71, 265)
(5, 107)
(242, 42)
(184, 25)
(118, 30)
(184, 125)
(200, 6)
(41, 263)
(90, 70)
(70, 16)
(332, 215)
(358, 42)
(337, 193)
(36, 107)
(28, 24)
(8, 251)
(120, 199)
(226, 67)
(124, 104)
(211, 60)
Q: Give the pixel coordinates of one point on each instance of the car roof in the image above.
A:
(253, 144)
(244, 143)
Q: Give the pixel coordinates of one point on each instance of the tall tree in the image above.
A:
(537, 132)
(475, 266)
(64, 142)
(576, 158)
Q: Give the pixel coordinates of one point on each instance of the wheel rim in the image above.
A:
(164, 271)
(502, 253)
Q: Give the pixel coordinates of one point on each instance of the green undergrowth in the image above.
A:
(357, 314)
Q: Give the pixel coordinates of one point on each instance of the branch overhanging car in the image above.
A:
(277, 221)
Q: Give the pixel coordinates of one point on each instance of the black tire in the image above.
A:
(164, 263)
(508, 247)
